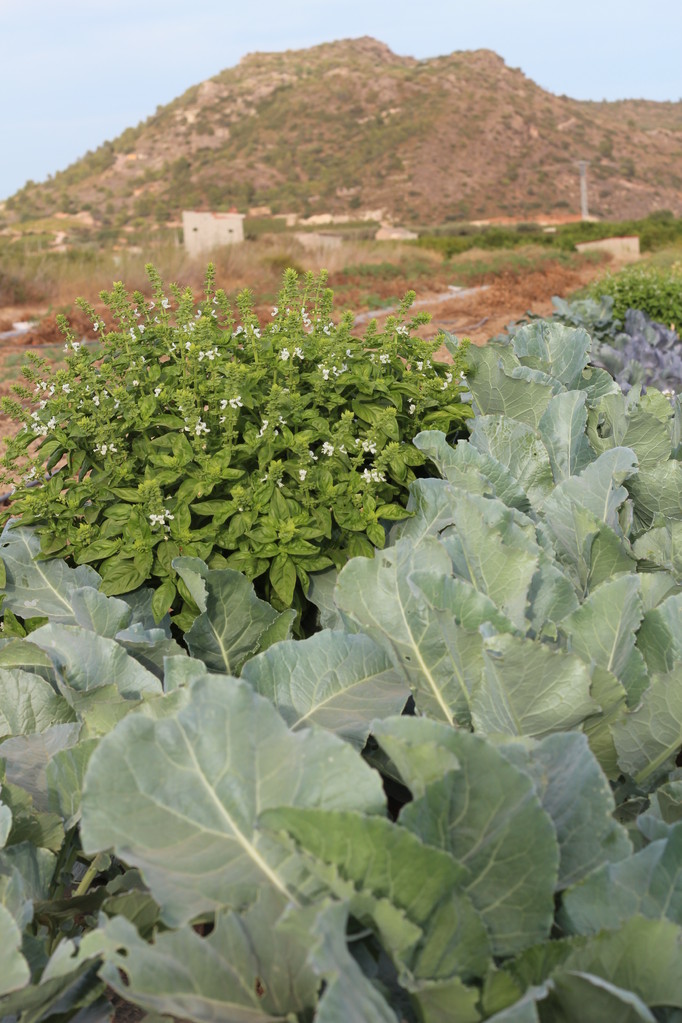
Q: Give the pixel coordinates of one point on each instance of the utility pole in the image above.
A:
(584, 212)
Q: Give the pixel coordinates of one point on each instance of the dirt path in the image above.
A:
(480, 313)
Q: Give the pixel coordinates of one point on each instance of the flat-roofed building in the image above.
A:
(205, 231)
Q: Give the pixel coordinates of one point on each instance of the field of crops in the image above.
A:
(339, 681)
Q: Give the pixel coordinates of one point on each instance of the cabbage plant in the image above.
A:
(458, 800)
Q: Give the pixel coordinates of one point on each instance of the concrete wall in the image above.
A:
(625, 250)
(205, 231)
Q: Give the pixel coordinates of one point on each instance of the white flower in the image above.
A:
(141, 327)
(274, 311)
(263, 428)
(384, 357)
(284, 354)
(402, 330)
(201, 427)
(369, 445)
(222, 419)
(95, 399)
(168, 514)
(30, 475)
(298, 354)
(132, 333)
(103, 448)
(420, 366)
(313, 456)
(188, 345)
(327, 448)
(75, 345)
(157, 391)
(235, 402)
(136, 383)
(165, 303)
(51, 423)
(412, 408)
(325, 374)
(302, 473)
(152, 305)
(373, 476)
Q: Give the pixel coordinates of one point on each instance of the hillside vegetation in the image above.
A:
(349, 127)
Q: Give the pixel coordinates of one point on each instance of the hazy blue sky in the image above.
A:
(76, 72)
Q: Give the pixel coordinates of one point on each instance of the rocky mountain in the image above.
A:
(350, 126)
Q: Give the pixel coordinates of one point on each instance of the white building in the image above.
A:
(205, 231)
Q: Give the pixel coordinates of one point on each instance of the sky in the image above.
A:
(78, 72)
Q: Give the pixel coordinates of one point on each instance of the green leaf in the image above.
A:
(163, 599)
(282, 575)
(517, 447)
(348, 997)
(657, 492)
(486, 814)
(562, 429)
(98, 549)
(336, 680)
(14, 971)
(661, 546)
(230, 629)
(651, 734)
(560, 351)
(85, 662)
(496, 392)
(26, 758)
(419, 630)
(648, 883)
(95, 611)
(34, 588)
(195, 832)
(251, 968)
(529, 689)
(494, 548)
(64, 775)
(602, 630)
(443, 1001)
(121, 575)
(29, 704)
(409, 891)
(660, 635)
(642, 956)
(579, 800)
(664, 812)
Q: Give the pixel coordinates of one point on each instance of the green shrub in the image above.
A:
(656, 291)
(276, 450)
